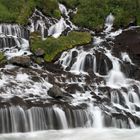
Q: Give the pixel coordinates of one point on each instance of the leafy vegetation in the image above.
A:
(53, 46)
(19, 10)
(92, 13)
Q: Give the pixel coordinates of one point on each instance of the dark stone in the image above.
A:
(17, 101)
(104, 64)
(55, 92)
(39, 52)
(89, 60)
(24, 61)
(72, 88)
(128, 41)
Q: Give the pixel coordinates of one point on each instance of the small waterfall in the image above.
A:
(40, 23)
(14, 40)
(14, 30)
(98, 120)
(18, 119)
(48, 26)
(60, 114)
(57, 29)
(109, 23)
(63, 24)
(116, 77)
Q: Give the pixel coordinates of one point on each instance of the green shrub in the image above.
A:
(92, 13)
(18, 11)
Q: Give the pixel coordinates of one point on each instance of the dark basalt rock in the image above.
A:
(89, 60)
(17, 101)
(104, 64)
(23, 61)
(72, 88)
(55, 92)
(129, 41)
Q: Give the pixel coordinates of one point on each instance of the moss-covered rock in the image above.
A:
(2, 59)
(53, 46)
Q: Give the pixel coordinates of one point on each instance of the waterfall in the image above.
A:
(57, 29)
(109, 22)
(14, 40)
(63, 24)
(116, 77)
(19, 119)
(96, 92)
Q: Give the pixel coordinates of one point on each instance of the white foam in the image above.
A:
(22, 77)
(109, 23)
(57, 29)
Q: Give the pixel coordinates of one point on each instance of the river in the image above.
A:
(76, 134)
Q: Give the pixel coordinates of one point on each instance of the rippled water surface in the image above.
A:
(76, 134)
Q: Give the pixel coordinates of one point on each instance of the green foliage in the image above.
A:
(70, 3)
(49, 7)
(18, 11)
(92, 13)
(53, 46)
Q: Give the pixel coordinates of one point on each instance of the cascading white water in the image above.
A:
(115, 78)
(109, 23)
(127, 100)
(38, 118)
(84, 65)
(57, 29)
(14, 39)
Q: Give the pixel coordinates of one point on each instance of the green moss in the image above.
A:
(2, 57)
(53, 46)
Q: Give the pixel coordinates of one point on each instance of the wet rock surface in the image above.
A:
(129, 41)
(55, 92)
(23, 61)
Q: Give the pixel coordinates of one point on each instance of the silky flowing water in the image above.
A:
(101, 102)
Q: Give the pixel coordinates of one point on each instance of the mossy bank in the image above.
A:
(53, 46)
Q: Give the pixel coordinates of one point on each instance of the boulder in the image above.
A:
(39, 52)
(128, 41)
(55, 92)
(23, 61)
